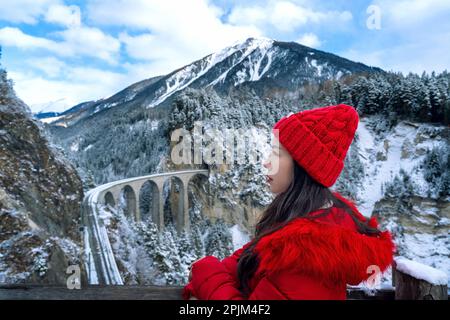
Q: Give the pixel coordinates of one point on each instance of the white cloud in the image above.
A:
(310, 40)
(95, 76)
(51, 66)
(24, 11)
(91, 42)
(77, 41)
(284, 16)
(414, 57)
(69, 16)
(172, 31)
(77, 85)
(73, 41)
(157, 58)
(413, 37)
(404, 14)
(65, 86)
(139, 71)
(143, 46)
(14, 37)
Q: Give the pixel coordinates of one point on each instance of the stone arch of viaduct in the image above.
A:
(130, 189)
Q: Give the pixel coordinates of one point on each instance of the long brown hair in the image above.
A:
(304, 195)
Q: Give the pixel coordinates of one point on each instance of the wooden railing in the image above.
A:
(91, 292)
(38, 292)
(404, 287)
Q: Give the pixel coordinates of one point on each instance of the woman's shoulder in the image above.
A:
(316, 247)
(335, 216)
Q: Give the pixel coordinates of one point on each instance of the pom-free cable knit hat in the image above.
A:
(318, 139)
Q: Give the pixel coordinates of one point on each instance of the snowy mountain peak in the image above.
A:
(259, 42)
(247, 46)
(190, 73)
(262, 63)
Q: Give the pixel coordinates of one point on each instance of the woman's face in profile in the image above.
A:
(281, 168)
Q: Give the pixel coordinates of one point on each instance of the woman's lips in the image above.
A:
(269, 179)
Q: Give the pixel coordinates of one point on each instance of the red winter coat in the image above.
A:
(306, 259)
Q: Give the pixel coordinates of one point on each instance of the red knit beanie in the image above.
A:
(318, 139)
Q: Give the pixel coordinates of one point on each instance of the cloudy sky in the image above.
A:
(62, 52)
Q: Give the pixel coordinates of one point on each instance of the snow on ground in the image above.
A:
(154, 124)
(318, 67)
(254, 66)
(88, 147)
(97, 230)
(51, 119)
(240, 237)
(378, 172)
(74, 146)
(89, 259)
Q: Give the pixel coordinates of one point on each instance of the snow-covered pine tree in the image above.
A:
(372, 104)
(352, 175)
(443, 111)
(148, 234)
(436, 97)
(436, 171)
(187, 252)
(402, 188)
(360, 94)
(145, 201)
(219, 240)
(6, 85)
(410, 91)
(343, 94)
(167, 259)
(196, 241)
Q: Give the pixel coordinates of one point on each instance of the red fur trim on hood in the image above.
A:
(326, 251)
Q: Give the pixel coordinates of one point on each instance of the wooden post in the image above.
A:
(408, 287)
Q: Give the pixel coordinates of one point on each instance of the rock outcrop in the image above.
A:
(40, 196)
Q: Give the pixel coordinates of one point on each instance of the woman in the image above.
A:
(310, 242)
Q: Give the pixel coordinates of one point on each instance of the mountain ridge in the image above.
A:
(259, 62)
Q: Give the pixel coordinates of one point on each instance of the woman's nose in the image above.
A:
(267, 164)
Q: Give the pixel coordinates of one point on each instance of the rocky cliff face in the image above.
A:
(407, 187)
(421, 233)
(40, 196)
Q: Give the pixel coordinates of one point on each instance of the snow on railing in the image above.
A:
(421, 271)
(415, 281)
